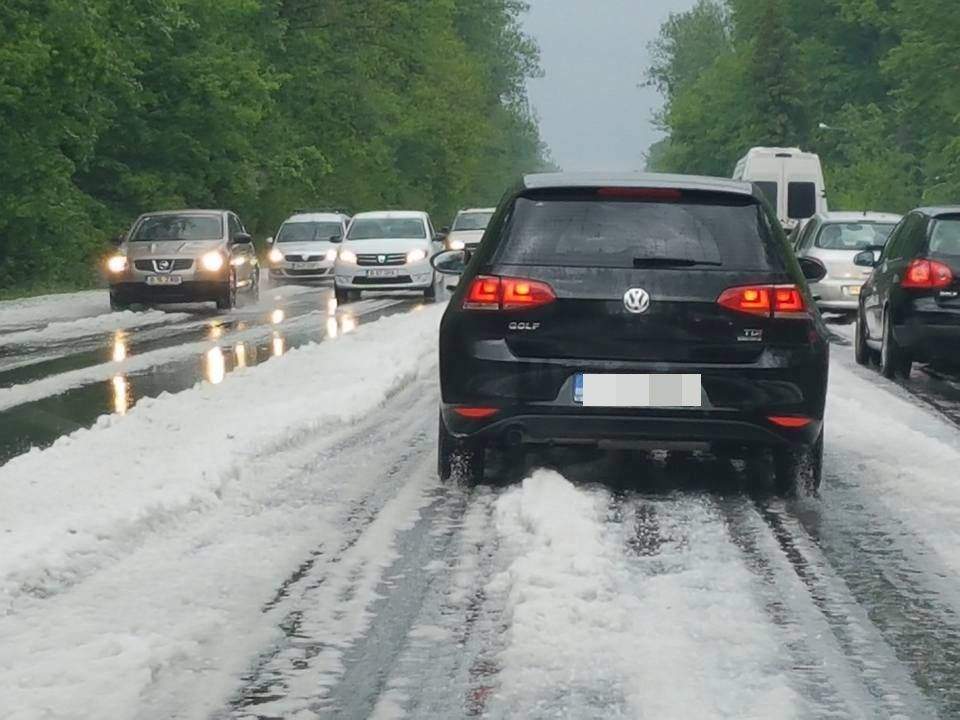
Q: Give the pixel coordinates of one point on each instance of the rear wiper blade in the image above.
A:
(641, 262)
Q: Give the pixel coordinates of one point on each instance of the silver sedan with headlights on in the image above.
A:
(835, 238)
(305, 248)
(387, 250)
(184, 256)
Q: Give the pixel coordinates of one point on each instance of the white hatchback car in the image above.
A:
(305, 248)
(388, 250)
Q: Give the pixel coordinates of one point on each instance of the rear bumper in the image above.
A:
(837, 295)
(197, 291)
(930, 338)
(683, 427)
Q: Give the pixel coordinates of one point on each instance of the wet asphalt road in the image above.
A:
(866, 614)
(107, 372)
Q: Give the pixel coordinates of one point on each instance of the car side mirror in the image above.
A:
(445, 231)
(449, 262)
(241, 239)
(336, 239)
(865, 258)
(270, 240)
(813, 270)
(117, 240)
(440, 236)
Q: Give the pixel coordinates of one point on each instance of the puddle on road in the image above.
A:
(40, 423)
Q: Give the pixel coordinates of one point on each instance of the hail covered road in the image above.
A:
(237, 516)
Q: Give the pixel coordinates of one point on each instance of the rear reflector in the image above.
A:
(476, 413)
(922, 274)
(488, 292)
(640, 193)
(765, 300)
(790, 421)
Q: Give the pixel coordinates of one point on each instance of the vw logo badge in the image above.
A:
(381, 259)
(636, 300)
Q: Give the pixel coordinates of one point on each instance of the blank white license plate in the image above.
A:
(852, 290)
(382, 273)
(618, 390)
(306, 265)
(164, 280)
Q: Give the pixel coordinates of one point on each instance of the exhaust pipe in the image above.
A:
(513, 437)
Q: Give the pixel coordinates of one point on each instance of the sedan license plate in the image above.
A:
(381, 273)
(305, 265)
(853, 290)
(646, 391)
(164, 280)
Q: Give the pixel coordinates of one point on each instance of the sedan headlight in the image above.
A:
(416, 255)
(275, 256)
(348, 256)
(117, 263)
(212, 261)
(455, 245)
(331, 255)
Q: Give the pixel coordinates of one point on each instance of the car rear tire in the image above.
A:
(893, 359)
(228, 300)
(798, 469)
(343, 296)
(459, 459)
(861, 351)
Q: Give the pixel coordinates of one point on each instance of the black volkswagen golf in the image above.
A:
(637, 310)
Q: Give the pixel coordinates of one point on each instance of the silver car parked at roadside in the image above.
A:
(184, 256)
(834, 238)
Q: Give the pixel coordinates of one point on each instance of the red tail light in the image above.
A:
(476, 413)
(790, 421)
(634, 193)
(927, 275)
(484, 294)
(765, 300)
(487, 292)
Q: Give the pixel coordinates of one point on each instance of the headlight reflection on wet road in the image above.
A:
(278, 346)
(215, 366)
(121, 395)
(240, 352)
(119, 346)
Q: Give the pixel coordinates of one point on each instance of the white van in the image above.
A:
(791, 179)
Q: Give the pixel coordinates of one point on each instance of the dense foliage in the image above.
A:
(880, 74)
(109, 108)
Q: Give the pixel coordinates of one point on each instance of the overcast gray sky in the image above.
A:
(594, 52)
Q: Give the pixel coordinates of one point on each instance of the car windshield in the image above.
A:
(945, 237)
(472, 221)
(853, 236)
(178, 227)
(308, 231)
(387, 228)
(579, 230)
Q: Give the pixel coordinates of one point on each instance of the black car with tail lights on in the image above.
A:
(633, 310)
(909, 308)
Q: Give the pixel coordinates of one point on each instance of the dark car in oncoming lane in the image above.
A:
(909, 308)
(647, 310)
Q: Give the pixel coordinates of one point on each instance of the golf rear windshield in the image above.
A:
(586, 229)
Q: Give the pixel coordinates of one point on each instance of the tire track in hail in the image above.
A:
(408, 432)
(843, 663)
